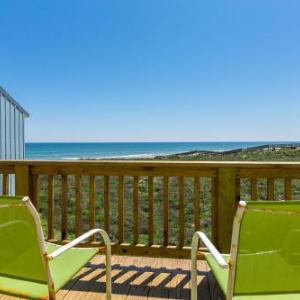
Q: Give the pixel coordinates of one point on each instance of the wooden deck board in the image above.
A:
(135, 278)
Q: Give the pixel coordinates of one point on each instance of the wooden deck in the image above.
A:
(136, 278)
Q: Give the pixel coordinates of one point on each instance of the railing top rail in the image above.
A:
(157, 163)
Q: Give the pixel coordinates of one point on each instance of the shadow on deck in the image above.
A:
(136, 278)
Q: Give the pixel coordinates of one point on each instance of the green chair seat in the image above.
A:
(67, 265)
(268, 297)
(25, 257)
(220, 274)
(63, 269)
(264, 261)
(16, 287)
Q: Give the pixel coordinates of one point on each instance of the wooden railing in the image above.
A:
(5, 171)
(148, 207)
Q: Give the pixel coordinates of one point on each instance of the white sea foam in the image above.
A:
(127, 156)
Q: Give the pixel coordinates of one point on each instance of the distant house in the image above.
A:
(12, 116)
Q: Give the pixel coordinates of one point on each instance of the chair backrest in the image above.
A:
(268, 252)
(20, 250)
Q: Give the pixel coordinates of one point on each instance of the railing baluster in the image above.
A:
(166, 210)
(36, 191)
(150, 210)
(78, 205)
(106, 204)
(253, 189)
(287, 189)
(135, 210)
(50, 208)
(5, 184)
(238, 190)
(270, 187)
(214, 210)
(181, 211)
(197, 206)
(121, 208)
(92, 204)
(64, 207)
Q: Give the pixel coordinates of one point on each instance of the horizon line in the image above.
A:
(133, 142)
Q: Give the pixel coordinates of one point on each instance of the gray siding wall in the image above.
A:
(11, 135)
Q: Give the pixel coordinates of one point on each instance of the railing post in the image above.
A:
(23, 181)
(227, 197)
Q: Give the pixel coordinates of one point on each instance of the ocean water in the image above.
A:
(75, 151)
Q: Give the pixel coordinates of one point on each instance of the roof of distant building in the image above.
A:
(13, 101)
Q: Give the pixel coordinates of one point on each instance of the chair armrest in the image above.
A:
(210, 247)
(78, 240)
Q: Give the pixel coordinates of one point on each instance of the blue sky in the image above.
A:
(153, 70)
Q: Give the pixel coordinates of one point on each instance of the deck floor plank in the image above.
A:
(135, 278)
(179, 282)
(139, 286)
(164, 272)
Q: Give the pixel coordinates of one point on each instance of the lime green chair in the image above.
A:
(264, 261)
(32, 268)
